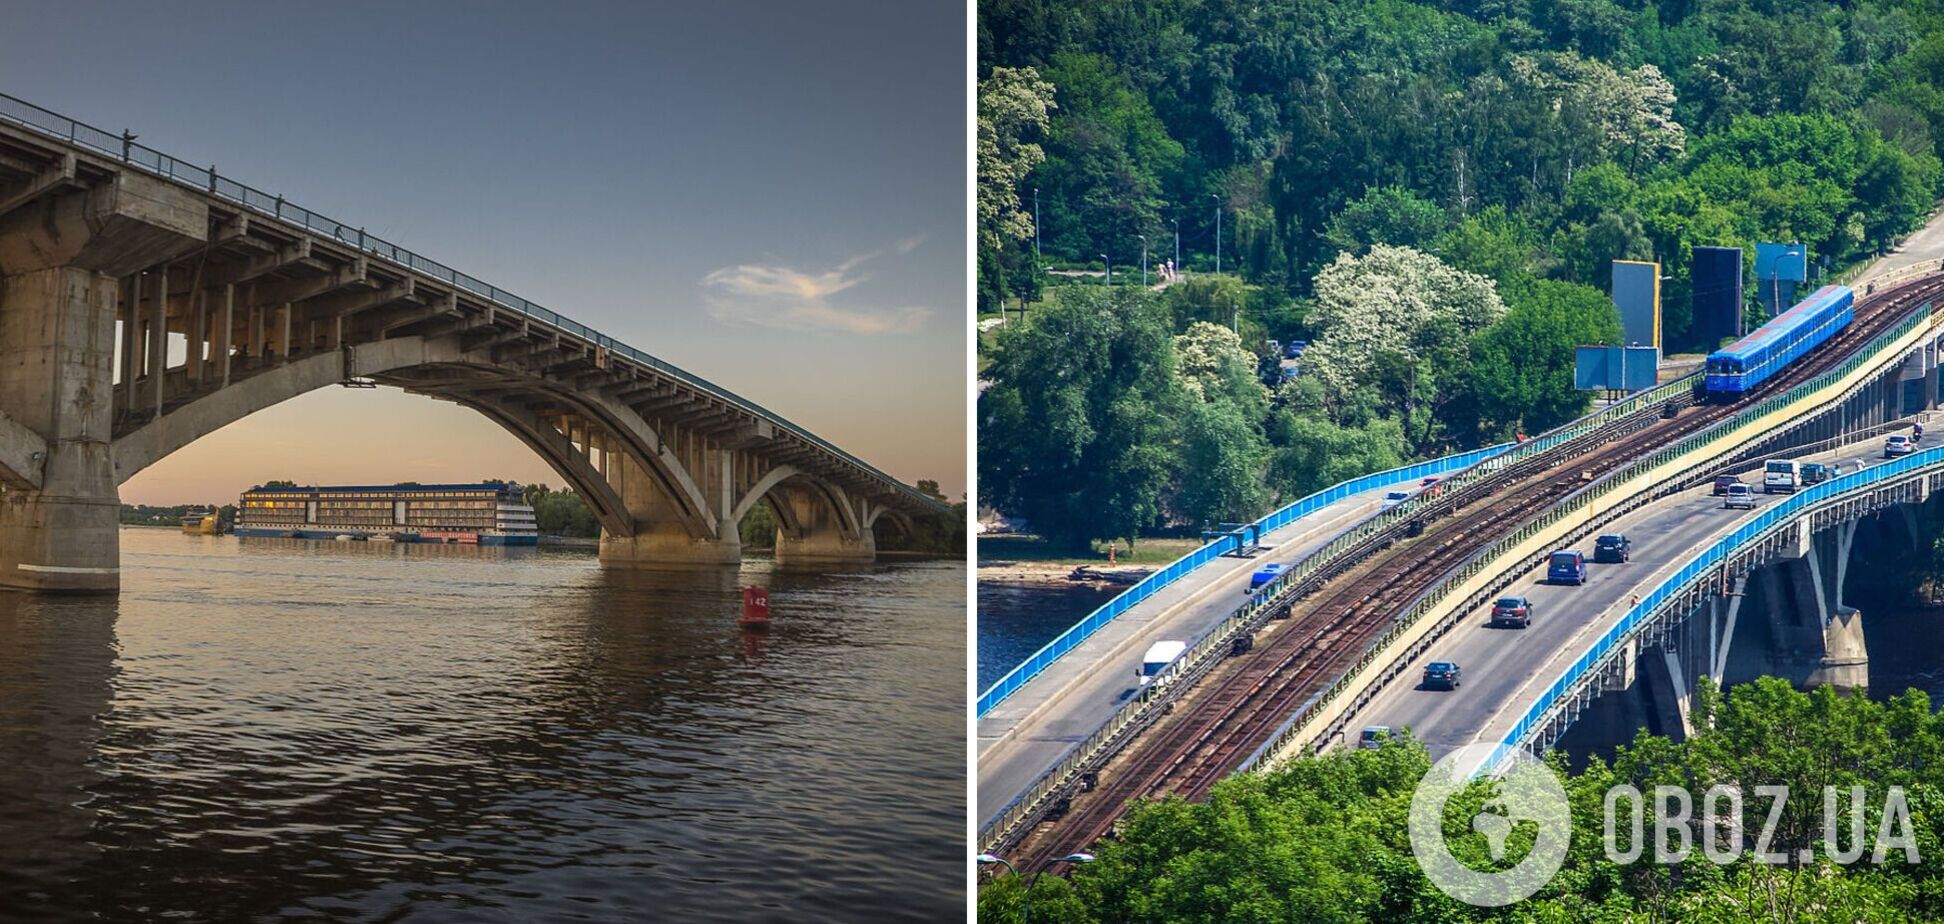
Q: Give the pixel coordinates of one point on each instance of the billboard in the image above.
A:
(1636, 292)
(1615, 368)
(1717, 278)
(1781, 262)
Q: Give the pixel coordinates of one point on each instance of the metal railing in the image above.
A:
(206, 180)
(1066, 641)
(1437, 597)
(1705, 566)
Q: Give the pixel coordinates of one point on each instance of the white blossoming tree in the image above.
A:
(1391, 307)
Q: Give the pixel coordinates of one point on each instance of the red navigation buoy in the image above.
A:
(755, 607)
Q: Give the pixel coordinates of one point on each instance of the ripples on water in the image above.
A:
(1015, 620)
(278, 728)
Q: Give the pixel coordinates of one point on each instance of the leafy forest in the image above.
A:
(1325, 840)
(1428, 195)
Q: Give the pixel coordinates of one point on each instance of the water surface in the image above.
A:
(367, 731)
(1015, 620)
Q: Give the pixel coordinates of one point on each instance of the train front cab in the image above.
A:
(1724, 378)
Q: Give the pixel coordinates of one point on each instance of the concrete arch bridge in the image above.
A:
(145, 303)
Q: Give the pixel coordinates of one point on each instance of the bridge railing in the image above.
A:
(1438, 596)
(1181, 567)
(207, 180)
(1701, 567)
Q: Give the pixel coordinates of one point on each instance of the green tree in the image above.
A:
(1077, 429)
(1013, 110)
(1522, 366)
(1386, 215)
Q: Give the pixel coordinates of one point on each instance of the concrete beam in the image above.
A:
(292, 254)
(54, 179)
(302, 290)
(23, 453)
(125, 224)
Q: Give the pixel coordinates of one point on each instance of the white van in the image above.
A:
(1783, 475)
(1159, 656)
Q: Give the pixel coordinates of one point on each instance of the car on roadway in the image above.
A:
(1566, 566)
(1613, 548)
(1374, 737)
(1159, 656)
(1739, 497)
(1441, 675)
(1393, 499)
(1295, 348)
(1816, 473)
(1723, 483)
(1263, 575)
(1897, 445)
(1511, 611)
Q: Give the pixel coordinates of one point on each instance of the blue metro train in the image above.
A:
(1739, 367)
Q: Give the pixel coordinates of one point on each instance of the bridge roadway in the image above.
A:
(1505, 670)
(1028, 733)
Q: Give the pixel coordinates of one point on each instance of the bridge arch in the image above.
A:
(405, 362)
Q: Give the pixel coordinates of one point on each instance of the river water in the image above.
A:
(1015, 620)
(369, 731)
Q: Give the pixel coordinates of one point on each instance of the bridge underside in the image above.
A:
(1790, 617)
(137, 316)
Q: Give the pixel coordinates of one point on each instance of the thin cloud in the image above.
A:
(793, 299)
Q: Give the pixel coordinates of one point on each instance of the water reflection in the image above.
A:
(361, 731)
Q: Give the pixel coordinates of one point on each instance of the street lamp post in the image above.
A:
(988, 859)
(1036, 251)
(1177, 261)
(1218, 232)
(1110, 269)
(1143, 238)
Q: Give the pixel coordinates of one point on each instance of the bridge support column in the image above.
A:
(821, 530)
(60, 260)
(1816, 639)
(660, 541)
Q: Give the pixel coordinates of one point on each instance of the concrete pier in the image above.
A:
(62, 260)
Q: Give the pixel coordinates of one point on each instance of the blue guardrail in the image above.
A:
(1710, 558)
(1080, 631)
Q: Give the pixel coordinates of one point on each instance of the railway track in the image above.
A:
(1241, 704)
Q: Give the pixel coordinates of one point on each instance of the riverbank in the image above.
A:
(1031, 560)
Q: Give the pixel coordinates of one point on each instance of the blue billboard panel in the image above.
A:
(1636, 292)
(1717, 277)
(1590, 367)
(1615, 368)
(1781, 262)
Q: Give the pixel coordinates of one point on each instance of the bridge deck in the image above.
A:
(1505, 670)
(1024, 736)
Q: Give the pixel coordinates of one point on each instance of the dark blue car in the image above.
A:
(1263, 575)
(1567, 566)
(1441, 675)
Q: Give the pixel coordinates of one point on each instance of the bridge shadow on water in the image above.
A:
(406, 734)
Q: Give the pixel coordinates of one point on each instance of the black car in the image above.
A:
(1612, 548)
(1441, 675)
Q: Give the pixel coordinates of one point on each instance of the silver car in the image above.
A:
(1739, 497)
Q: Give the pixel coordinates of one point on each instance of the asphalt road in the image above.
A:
(1024, 736)
(1505, 670)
